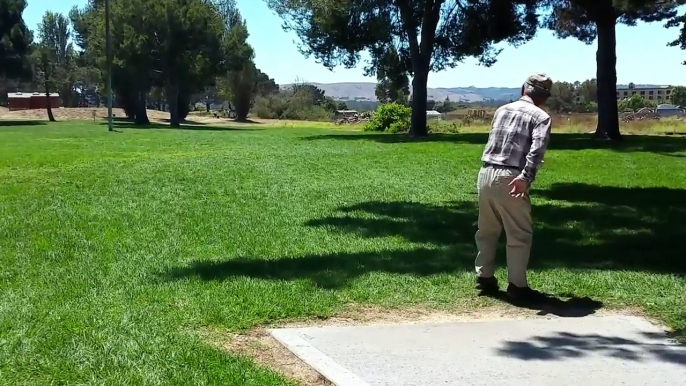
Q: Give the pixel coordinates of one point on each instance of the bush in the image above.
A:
(291, 106)
(391, 118)
(444, 127)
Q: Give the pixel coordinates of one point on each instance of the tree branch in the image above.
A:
(409, 27)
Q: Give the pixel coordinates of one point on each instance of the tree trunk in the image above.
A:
(51, 117)
(419, 96)
(141, 110)
(606, 57)
(172, 91)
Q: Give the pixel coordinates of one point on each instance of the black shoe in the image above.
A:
(487, 284)
(524, 294)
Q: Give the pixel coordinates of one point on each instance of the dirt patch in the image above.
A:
(155, 116)
(91, 113)
(259, 346)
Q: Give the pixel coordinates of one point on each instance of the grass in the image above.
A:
(116, 248)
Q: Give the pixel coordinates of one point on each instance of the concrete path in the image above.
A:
(608, 350)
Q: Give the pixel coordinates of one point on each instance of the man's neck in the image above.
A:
(527, 98)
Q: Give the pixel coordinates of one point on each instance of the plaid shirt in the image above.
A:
(518, 138)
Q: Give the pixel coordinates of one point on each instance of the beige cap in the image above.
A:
(541, 81)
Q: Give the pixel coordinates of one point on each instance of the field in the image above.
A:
(133, 257)
(454, 122)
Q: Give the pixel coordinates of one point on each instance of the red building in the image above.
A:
(31, 101)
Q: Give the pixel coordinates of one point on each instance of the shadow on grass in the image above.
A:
(333, 270)
(594, 227)
(564, 345)
(4, 123)
(559, 141)
(184, 126)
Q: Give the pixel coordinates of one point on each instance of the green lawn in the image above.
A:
(116, 247)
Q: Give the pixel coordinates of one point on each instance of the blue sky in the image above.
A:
(642, 54)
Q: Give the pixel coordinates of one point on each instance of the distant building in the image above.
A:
(31, 101)
(658, 94)
(668, 110)
(345, 113)
(433, 114)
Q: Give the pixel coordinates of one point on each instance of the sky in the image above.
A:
(643, 56)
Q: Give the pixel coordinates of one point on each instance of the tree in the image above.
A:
(588, 90)
(45, 70)
(679, 96)
(562, 97)
(428, 35)
(264, 85)
(241, 80)
(15, 40)
(188, 42)
(132, 73)
(54, 34)
(239, 87)
(178, 45)
(635, 102)
(89, 78)
(588, 19)
(446, 106)
(54, 57)
(679, 93)
(393, 84)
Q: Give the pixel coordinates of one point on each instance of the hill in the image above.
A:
(364, 91)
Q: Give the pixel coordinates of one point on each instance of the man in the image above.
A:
(513, 154)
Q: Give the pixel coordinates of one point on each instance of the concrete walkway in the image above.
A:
(607, 350)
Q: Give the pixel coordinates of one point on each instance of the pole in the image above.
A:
(108, 48)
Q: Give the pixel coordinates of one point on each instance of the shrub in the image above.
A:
(391, 117)
(292, 106)
(443, 127)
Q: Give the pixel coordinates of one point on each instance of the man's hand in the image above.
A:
(519, 187)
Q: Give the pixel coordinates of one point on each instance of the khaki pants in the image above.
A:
(498, 210)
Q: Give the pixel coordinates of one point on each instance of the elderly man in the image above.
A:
(513, 154)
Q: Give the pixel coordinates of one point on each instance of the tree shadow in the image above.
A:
(332, 270)
(185, 122)
(5, 123)
(184, 126)
(602, 228)
(471, 138)
(617, 232)
(564, 345)
(558, 141)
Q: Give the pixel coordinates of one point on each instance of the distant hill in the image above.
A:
(364, 91)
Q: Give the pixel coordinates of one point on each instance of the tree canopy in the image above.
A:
(587, 20)
(679, 96)
(15, 40)
(428, 35)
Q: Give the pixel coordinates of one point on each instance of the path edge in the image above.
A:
(313, 357)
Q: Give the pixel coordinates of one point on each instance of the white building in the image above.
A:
(433, 114)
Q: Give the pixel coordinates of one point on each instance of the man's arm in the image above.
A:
(539, 142)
